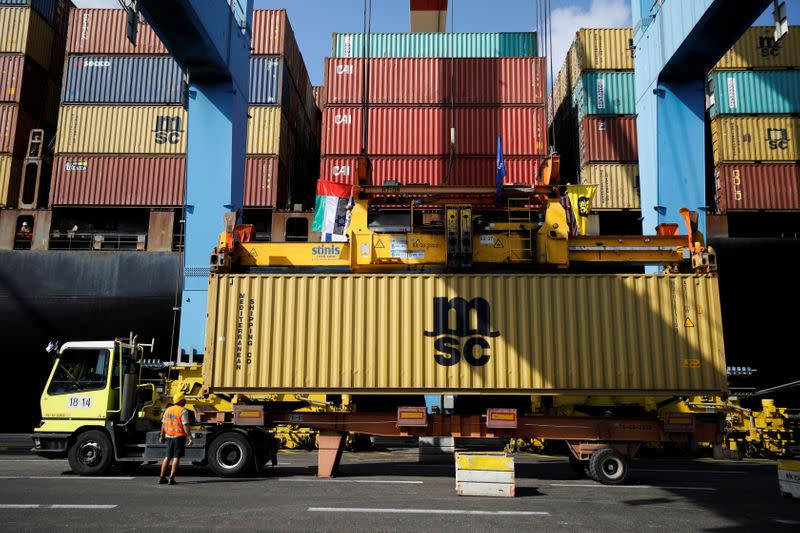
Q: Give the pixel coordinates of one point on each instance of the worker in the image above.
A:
(25, 230)
(175, 427)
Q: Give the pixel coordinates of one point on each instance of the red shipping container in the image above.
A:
(608, 139)
(273, 36)
(22, 81)
(141, 181)
(437, 81)
(15, 129)
(426, 131)
(753, 187)
(127, 181)
(463, 172)
(103, 31)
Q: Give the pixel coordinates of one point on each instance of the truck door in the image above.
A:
(78, 391)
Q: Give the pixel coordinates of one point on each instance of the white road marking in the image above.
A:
(598, 486)
(788, 522)
(73, 478)
(688, 471)
(386, 481)
(54, 506)
(32, 460)
(422, 511)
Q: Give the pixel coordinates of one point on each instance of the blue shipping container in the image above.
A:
(122, 80)
(154, 80)
(519, 44)
(755, 92)
(604, 93)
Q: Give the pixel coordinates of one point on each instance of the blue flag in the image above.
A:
(501, 168)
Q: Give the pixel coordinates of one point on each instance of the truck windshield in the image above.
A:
(80, 370)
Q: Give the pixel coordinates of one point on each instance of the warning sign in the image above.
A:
(379, 244)
(691, 363)
(416, 244)
(498, 243)
(688, 323)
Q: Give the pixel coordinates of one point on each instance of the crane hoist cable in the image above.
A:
(365, 73)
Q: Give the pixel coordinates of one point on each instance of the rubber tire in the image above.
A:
(579, 467)
(231, 442)
(608, 466)
(102, 443)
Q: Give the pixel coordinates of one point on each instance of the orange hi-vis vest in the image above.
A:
(173, 427)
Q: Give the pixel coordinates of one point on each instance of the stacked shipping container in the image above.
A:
(31, 58)
(122, 126)
(437, 103)
(753, 102)
(594, 126)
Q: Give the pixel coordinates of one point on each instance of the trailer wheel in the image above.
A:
(231, 455)
(91, 454)
(608, 466)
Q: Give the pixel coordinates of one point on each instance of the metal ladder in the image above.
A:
(519, 212)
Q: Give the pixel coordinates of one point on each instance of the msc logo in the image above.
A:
(468, 338)
(769, 47)
(777, 138)
(168, 130)
(326, 250)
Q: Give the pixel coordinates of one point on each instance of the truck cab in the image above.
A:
(102, 406)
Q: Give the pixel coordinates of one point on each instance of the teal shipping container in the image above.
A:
(604, 93)
(519, 44)
(754, 92)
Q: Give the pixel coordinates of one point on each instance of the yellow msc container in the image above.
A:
(600, 49)
(95, 129)
(464, 334)
(23, 31)
(748, 139)
(268, 132)
(758, 49)
(618, 185)
(9, 180)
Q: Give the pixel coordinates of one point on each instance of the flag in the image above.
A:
(580, 199)
(501, 168)
(331, 213)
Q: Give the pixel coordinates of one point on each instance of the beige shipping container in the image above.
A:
(758, 49)
(600, 49)
(93, 129)
(23, 31)
(267, 131)
(618, 185)
(9, 180)
(465, 334)
(751, 139)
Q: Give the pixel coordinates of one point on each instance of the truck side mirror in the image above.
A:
(51, 347)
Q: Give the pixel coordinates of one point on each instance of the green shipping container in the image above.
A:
(519, 44)
(604, 93)
(754, 92)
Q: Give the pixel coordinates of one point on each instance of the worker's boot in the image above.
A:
(171, 481)
(162, 480)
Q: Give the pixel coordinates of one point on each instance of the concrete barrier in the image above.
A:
(485, 474)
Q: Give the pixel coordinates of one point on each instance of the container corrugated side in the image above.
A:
(437, 81)
(436, 171)
(266, 182)
(103, 31)
(410, 334)
(604, 93)
(747, 139)
(125, 181)
(152, 80)
(268, 83)
(756, 187)
(618, 185)
(9, 180)
(426, 130)
(15, 128)
(268, 131)
(757, 48)
(512, 44)
(89, 129)
(23, 31)
(600, 49)
(755, 92)
(24, 82)
(608, 139)
(52, 11)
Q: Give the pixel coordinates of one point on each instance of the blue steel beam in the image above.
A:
(676, 43)
(211, 40)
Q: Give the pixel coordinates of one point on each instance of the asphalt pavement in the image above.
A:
(391, 491)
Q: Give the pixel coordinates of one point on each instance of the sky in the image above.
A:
(314, 20)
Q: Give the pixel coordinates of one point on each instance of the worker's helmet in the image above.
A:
(178, 398)
(24, 224)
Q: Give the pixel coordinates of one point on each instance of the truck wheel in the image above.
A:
(231, 455)
(91, 454)
(608, 466)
